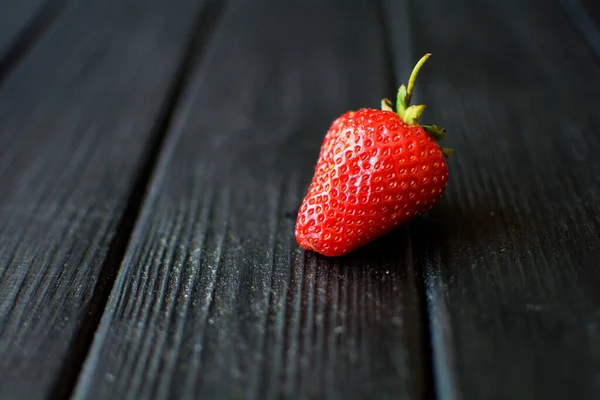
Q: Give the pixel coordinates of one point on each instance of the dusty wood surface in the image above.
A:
(164, 148)
(214, 299)
(511, 255)
(77, 119)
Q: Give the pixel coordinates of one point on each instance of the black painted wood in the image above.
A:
(22, 24)
(214, 299)
(593, 8)
(511, 254)
(15, 17)
(586, 17)
(77, 121)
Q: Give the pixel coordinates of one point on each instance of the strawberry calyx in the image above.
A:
(411, 114)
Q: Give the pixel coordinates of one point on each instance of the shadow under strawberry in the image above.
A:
(451, 223)
(393, 246)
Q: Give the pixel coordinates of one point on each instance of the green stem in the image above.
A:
(413, 77)
(404, 93)
(411, 114)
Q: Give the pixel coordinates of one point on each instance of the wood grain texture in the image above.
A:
(22, 24)
(593, 8)
(511, 254)
(15, 17)
(586, 17)
(76, 125)
(214, 299)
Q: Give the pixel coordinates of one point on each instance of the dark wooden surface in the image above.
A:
(21, 22)
(587, 15)
(153, 155)
(214, 299)
(77, 119)
(512, 253)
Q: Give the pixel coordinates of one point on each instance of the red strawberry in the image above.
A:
(377, 169)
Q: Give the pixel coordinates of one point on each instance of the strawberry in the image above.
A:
(377, 169)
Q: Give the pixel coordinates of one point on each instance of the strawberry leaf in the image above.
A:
(436, 133)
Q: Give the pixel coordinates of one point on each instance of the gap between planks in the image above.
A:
(201, 34)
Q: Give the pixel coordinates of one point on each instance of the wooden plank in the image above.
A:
(586, 18)
(76, 127)
(593, 8)
(214, 298)
(22, 23)
(16, 15)
(511, 253)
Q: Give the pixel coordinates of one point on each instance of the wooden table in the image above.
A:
(153, 155)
